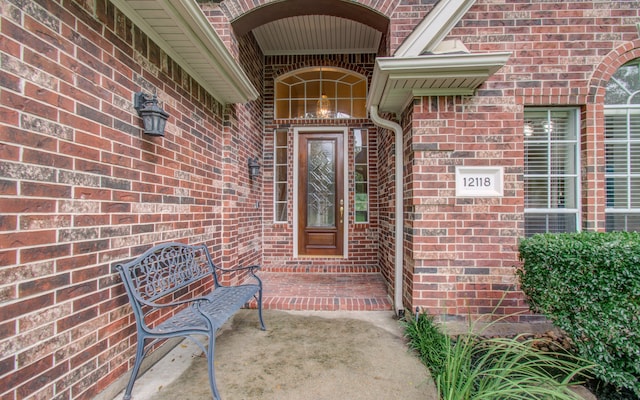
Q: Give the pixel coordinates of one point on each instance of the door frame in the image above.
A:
(345, 183)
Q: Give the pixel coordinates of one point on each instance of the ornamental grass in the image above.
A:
(472, 367)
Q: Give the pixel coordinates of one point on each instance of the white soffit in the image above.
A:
(397, 80)
(316, 34)
(183, 32)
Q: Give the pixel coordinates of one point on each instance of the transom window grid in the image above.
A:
(551, 177)
(622, 149)
(321, 93)
(361, 168)
(280, 181)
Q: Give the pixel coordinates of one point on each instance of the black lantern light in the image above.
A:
(254, 168)
(154, 118)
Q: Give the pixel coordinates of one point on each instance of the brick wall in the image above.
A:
(463, 250)
(243, 140)
(81, 188)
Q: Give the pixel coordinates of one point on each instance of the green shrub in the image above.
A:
(498, 368)
(588, 284)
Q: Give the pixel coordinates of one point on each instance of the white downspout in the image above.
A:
(399, 249)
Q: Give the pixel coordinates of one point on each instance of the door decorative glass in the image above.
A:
(321, 190)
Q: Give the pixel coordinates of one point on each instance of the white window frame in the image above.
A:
(311, 103)
(576, 142)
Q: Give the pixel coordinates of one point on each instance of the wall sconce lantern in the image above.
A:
(254, 168)
(154, 118)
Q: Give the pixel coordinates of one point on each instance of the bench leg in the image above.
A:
(210, 366)
(260, 310)
(136, 368)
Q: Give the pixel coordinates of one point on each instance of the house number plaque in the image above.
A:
(479, 181)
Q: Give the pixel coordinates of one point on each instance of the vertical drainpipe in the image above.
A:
(399, 250)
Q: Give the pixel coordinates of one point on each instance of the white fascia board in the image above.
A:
(377, 87)
(434, 27)
(392, 69)
(202, 33)
(445, 62)
(192, 23)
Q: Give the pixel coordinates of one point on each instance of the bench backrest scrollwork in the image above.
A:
(160, 272)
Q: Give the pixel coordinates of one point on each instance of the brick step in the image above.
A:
(300, 267)
(325, 291)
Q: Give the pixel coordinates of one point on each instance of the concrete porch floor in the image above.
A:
(304, 291)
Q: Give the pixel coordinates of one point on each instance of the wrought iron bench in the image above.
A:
(157, 282)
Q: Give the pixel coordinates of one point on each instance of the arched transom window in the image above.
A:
(320, 92)
(622, 148)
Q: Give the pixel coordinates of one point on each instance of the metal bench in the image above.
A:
(157, 283)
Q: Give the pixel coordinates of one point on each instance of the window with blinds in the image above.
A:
(551, 177)
(622, 149)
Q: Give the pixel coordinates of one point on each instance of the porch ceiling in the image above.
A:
(183, 32)
(316, 34)
(314, 27)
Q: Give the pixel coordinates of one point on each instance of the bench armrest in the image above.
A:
(251, 268)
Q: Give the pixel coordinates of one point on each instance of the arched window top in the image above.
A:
(320, 92)
(624, 86)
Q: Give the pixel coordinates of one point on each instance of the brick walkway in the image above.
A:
(325, 291)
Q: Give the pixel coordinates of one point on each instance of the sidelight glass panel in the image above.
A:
(280, 181)
(321, 183)
(361, 161)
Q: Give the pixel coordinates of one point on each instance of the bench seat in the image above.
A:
(218, 306)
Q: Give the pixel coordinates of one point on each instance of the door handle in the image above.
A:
(341, 209)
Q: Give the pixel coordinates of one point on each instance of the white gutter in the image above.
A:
(399, 165)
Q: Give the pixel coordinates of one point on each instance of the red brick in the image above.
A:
(8, 257)
(20, 239)
(40, 189)
(30, 288)
(13, 310)
(33, 254)
(76, 319)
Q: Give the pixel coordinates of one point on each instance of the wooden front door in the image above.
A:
(321, 194)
